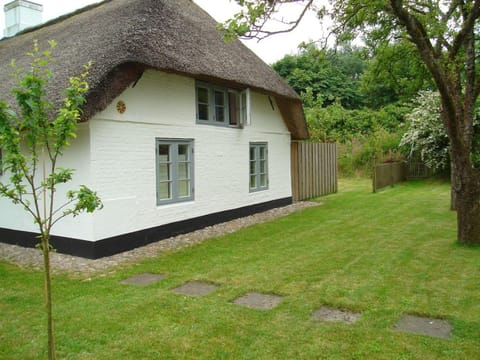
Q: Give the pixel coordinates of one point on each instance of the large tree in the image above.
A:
(445, 35)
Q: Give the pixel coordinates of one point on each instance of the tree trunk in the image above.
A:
(454, 187)
(468, 205)
(48, 298)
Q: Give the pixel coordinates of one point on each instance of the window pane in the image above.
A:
(252, 167)
(233, 108)
(243, 107)
(183, 172)
(202, 95)
(164, 153)
(165, 190)
(263, 180)
(263, 166)
(203, 112)
(183, 152)
(184, 188)
(262, 152)
(165, 174)
(219, 114)
(203, 106)
(219, 98)
(253, 181)
(252, 153)
(219, 106)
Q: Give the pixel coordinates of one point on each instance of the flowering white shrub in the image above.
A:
(426, 135)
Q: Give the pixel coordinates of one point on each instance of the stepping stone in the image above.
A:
(425, 326)
(143, 279)
(258, 301)
(326, 313)
(195, 288)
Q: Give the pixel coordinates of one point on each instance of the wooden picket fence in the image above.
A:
(314, 169)
(418, 170)
(389, 174)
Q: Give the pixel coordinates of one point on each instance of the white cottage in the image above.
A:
(180, 130)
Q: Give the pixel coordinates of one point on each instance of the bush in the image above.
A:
(335, 123)
(364, 136)
(426, 135)
(358, 157)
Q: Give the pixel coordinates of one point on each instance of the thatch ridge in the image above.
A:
(125, 37)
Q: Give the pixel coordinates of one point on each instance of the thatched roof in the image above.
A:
(125, 37)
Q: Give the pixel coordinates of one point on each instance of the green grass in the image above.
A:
(384, 254)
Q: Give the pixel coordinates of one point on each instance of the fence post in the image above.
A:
(392, 179)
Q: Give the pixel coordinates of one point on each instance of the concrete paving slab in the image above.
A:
(260, 301)
(425, 326)
(195, 288)
(326, 313)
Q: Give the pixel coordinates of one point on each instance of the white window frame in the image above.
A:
(241, 97)
(255, 165)
(173, 180)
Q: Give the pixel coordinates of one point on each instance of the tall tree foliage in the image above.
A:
(331, 76)
(444, 35)
(395, 73)
(33, 135)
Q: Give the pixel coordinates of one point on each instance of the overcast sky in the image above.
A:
(270, 50)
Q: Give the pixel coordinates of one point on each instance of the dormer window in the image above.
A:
(221, 106)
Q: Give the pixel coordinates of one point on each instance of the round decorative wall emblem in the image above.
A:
(121, 107)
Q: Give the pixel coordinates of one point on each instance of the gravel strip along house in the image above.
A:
(180, 131)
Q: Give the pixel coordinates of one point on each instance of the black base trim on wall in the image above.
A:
(125, 242)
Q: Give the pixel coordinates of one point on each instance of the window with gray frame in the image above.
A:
(174, 160)
(217, 105)
(258, 166)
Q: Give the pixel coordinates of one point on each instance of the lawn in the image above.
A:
(384, 255)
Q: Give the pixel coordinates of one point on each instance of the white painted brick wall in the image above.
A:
(76, 157)
(122, 159)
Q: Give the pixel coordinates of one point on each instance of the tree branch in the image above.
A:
(258, 32)
(447, 86)
(445, 18)
(467, 28)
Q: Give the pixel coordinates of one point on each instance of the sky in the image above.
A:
(270, 50)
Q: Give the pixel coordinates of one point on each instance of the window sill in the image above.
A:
(174, 203)
(218, 124)
(253, 191)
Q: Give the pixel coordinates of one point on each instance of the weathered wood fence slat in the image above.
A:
(314, 169)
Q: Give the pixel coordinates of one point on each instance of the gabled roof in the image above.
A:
(125, 37)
